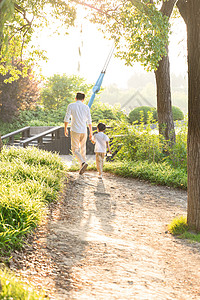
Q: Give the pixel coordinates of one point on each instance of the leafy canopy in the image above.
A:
(59, 90)
(19, 20)
(139, 29)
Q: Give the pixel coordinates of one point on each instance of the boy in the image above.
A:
(101, 141)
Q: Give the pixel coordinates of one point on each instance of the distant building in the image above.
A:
(134, 101)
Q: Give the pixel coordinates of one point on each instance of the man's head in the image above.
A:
(80, 96)
(101, 127)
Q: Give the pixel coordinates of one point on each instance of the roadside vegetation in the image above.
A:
(29, 180)
(179, 228)
(13, 288)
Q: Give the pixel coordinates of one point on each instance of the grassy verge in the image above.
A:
(158, 173)
(13, 288)
(29, 180)
(180, 228)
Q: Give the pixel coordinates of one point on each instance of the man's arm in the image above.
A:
(66, 119)
(66, 130)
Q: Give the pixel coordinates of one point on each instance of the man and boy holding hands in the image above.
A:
(80, 117)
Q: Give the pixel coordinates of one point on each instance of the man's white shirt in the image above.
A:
(80, 116)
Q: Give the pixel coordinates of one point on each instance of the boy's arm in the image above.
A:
(108, 146)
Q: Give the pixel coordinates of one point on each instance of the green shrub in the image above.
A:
(178, 225)
(104, 111)
(29, 179)
(178, 152)
(140, 142)
(159, 173)
(177, 113)
(137, 142)
(140, 114)
(13, 288)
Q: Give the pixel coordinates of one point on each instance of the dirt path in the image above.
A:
(108, 240)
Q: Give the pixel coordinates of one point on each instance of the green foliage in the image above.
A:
(178, 152)
(29, 179)
(35, 117)
(178, 226)
(139, 29)
(142, 112)
(177, 113)
(137, 142)
(13, 288)
(157, 173)
(104, 111)
(140, 142)
(190, 236)
(60, 90)
(19, 20)
(20, 94)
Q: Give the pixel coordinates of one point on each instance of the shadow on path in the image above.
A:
(105, 209)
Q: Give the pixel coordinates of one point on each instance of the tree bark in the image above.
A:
(193, 41)
(162, 74)
(164, 105)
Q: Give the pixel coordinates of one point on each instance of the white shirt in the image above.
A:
(100, 140)
(80, 116)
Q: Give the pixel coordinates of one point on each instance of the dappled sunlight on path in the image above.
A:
(107, 239)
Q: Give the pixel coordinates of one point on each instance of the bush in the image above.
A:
(13, 288)
(178, 226)
(140, 114)
(139, 143)
(103, 111)
(177, 113)
(29, 179)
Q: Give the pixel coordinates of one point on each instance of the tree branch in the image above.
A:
(23, 12)
(102, 12)
(167, 7)
(182, 7)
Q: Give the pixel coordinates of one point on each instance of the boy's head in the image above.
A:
(101, 126)
(80, 96)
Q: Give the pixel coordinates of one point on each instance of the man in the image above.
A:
(80, 117)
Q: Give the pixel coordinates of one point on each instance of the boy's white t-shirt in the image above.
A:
(100, 140)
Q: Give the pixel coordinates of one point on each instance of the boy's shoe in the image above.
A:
(100, 176)
(83, 168)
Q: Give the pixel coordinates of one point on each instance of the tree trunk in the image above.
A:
(164, 106)
(162, 74)
(193, 30)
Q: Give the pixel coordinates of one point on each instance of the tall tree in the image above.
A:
(190, 11)
(58, 90)
(140, 31)
(162, 74)
(19, 19)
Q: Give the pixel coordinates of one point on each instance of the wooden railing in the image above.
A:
(55, 134)
(11, 136)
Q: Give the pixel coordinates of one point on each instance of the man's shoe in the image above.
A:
(83, 168)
